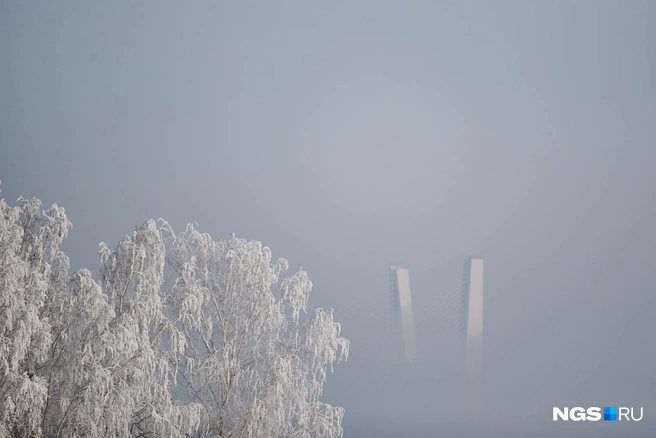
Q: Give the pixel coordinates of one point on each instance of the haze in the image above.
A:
(350, 135)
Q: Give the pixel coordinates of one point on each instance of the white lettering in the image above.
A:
(594, 414)
(622, 412)
(634, 418)
(562, 414)
(577, 414)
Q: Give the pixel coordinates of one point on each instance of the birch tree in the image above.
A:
(177, 335)
(146, 339)
(225, 333)
(29, 260)
(248, 360)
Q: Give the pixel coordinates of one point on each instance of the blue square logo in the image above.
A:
(610, 414)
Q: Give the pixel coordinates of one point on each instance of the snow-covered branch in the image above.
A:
(177, 335)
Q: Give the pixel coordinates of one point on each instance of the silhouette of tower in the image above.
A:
(472, 318)
(402, 319)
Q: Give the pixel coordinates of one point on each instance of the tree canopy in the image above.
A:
(177, 335)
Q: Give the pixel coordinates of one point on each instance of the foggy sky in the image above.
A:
(350, 135)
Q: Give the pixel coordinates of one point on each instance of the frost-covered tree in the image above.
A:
(145, 339)
(29, 261)
(256, 370)
(222, 333)
(178, 335)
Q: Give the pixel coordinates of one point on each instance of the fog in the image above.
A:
(347, 136)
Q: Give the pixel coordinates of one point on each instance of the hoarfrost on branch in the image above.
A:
(177, 335)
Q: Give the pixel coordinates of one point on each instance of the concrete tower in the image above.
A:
(402, 319)
(472, 318)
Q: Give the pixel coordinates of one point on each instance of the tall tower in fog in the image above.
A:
(472, 317)
(402, 320)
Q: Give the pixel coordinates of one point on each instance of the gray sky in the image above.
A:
(348, 135)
